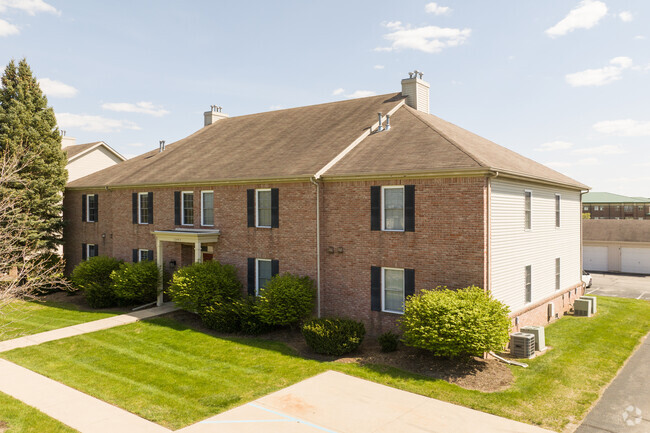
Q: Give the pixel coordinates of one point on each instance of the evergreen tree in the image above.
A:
(28, 133)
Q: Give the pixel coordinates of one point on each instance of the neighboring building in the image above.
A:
(87, 158)
(605, 205)
(374, 210)
(617, 246)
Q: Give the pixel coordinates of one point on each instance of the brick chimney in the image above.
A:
(416, 91)
(209, 117)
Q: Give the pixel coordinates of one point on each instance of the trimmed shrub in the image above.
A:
(467, 322)
(221, 316)
(249, 317)
(286, 300)
(333, 336)
(388, 341)
(93, 276)
(136, 282)
(202, 285)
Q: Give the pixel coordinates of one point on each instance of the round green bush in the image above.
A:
(333, 336)
(201, 285)
(136, 282)
(388, 341)
(93, 276)
(221, 316)
(249, 317)
(466, 322)
(286, 300)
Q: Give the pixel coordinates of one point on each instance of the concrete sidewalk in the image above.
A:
(337, 403)
(84, 328)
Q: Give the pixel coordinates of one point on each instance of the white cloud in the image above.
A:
(433, 8)
(93, 123)
(584, 16)
(554, 145)
(7, 29)
(429, 39)
(626, 16)
(276, 107)
(361, 94)
(606, 149)
(378, 66)
(624, 127)
(56, 89)
(138, 107)
(639, 37)
(581, 162)
(338, 91)
(32, 7)
(601, 76)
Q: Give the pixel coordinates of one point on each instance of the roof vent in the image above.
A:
(162, 145)
(416, 91)
(380, 128)
(209, 117)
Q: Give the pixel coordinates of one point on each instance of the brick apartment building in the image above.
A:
(608, 206)
(374, 208)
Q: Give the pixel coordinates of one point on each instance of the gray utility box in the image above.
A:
(593, 303)
(522, 345)
(538, 332)
(582, 307)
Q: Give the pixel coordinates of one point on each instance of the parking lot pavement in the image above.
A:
(620, 285)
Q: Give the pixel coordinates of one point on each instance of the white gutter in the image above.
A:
(312, 180)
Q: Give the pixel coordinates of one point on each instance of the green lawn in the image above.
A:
(17, 417)
(25, 318)
(175, 376)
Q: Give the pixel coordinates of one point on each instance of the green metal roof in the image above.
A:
(608, 197)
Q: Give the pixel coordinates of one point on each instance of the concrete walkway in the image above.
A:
(84, 328)
(333, 402)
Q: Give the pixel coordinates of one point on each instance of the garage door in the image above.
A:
(594, 258)
(635, 260)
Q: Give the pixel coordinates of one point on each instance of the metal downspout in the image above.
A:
(317, 245)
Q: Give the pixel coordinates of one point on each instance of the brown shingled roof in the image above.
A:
(76, 149)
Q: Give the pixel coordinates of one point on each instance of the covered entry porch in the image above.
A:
(195, 237)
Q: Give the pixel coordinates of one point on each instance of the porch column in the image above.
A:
(159, 262)
(198, 257)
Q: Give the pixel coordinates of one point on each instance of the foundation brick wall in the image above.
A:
(537, 314)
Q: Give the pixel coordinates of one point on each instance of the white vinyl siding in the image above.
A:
(512, 247)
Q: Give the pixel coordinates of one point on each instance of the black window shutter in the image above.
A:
(83, 207)
(135, 256)
(150, 255)
(275, 208)
(409, 282)
(96, 207)
(375, 288)
(251, 277)
(84, 250)
(134, 207)
(150, 201)
(177, 208)
(375, 208)
(409, 208)
(250, 205)
(96, 249)
(275, 267)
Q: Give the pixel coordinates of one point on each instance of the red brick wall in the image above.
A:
(537, 314)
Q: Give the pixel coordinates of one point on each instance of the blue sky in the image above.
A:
(565, 83)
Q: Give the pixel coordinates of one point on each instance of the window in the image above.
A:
(586, 208)
(392, 285)
(143, 255)
(143, 208)
(529, 284)
(264, 273)
(628, 208)
(557, 210)
(263, 202)
(188, 208)
(393, 208)
(207, 208)
(88, 251)
(557, 274)
(91, 208)
(528, 214)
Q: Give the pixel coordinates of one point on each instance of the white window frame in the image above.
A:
(558, 211)
(140, 194)
(183, 223)
(383, 208)
(88, 256)
(558, 274)
(383, 290)
(257, 273)
(528, 284)
(88, 208)
(257, 211)
(140, 251)
(528, 213)
(203, 208)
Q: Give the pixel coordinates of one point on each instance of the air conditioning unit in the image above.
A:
(538, 332)
(593, 304)
(551, 311)
(582, 307)
(522, 345)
